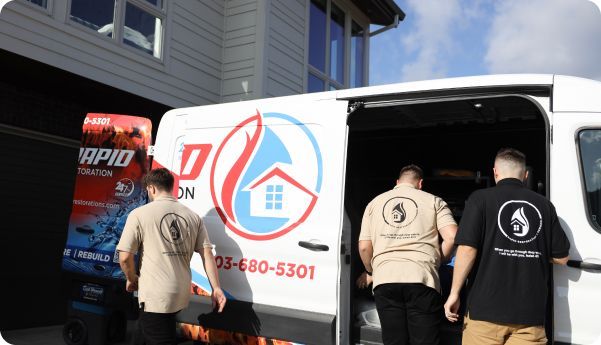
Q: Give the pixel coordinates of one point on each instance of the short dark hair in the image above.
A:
(160, 178)
(412, 171)
(511, 155)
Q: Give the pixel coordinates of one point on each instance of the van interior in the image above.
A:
(454, 140)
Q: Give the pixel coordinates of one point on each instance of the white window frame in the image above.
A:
(119, 25)
(350, 14)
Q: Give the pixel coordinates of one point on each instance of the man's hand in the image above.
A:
(132, 286)
(218, 299)
(451, 307)
(364, 280)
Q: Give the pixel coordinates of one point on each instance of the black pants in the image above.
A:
(409, 313)
(155, 329)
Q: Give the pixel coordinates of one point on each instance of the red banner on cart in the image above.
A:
(112, 161)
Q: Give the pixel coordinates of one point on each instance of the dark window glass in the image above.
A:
(357, 55)
(95, 14)
(317, 35)
(337, 44)
(315, 84)
(142, 30)
(41, 3)
(157, 3)
(590, 158)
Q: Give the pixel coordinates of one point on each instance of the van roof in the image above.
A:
(570, 94)
(499, 80)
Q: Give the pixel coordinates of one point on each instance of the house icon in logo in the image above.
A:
(398, 213)
(276, 194)
(519, 223)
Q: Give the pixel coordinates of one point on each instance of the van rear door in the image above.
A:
(576, 193)
(267, 178)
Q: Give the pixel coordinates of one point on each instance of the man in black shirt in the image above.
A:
(507, 238)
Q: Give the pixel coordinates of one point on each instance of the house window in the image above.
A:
(142, 21)
(332, 66)
(590, 160)
(41, 3)
(274, 197)
(97, 15)
(142, 30)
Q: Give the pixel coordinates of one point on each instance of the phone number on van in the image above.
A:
(282, 269)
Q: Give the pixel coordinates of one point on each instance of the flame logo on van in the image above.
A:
(266, 176)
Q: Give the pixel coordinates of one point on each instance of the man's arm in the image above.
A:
(448, 241)
(210, 267)
(366, 251)
(466, 256)
(560, 261)
(128, 266)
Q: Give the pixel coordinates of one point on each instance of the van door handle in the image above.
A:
(584, 265)
(316, 247)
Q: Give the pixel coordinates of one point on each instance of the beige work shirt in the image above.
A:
(403, 225)
(166, 233)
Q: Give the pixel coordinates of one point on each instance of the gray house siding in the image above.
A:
(191, 70)
(285, 72)
(239, 51)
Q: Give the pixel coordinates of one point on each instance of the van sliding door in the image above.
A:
(576, 193)
(267, 178)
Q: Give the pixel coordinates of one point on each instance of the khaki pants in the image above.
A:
(477, 332)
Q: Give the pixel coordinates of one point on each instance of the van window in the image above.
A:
(590, 159)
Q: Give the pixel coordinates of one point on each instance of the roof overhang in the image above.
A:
(380, 12)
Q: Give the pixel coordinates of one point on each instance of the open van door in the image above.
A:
(267, 177)
(576, 193)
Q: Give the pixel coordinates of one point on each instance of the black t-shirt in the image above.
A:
(516, 232)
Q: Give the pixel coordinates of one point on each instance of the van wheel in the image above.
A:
(75, 332)
(117, 327)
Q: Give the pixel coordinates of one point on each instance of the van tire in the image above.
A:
(75, 332)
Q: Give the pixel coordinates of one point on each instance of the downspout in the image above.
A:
(394, 25)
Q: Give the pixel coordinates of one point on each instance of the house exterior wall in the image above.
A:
(286, 47)
(241, 41)
(213, 50)
(190, 72)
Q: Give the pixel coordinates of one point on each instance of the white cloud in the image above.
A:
(431, 38)
(545, 36)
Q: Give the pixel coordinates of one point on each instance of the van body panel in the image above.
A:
(267, 178)
(571, 94)
(577, 300)
(235, 163)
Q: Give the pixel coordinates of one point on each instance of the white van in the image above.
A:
(282, 183)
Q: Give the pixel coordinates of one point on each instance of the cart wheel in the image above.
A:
(75, 332)
(117, 327)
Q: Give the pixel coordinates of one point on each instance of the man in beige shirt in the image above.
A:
(401, 251)
(166, 234)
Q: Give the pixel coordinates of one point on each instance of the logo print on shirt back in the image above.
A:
(172, 226)
(519, 221)
(399, 212)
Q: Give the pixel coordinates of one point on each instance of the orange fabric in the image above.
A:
(476, 332)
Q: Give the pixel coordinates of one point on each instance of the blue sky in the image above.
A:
(448, 38)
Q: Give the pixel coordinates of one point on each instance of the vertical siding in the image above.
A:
(239, 51)
(286, 48)
(191, 73)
